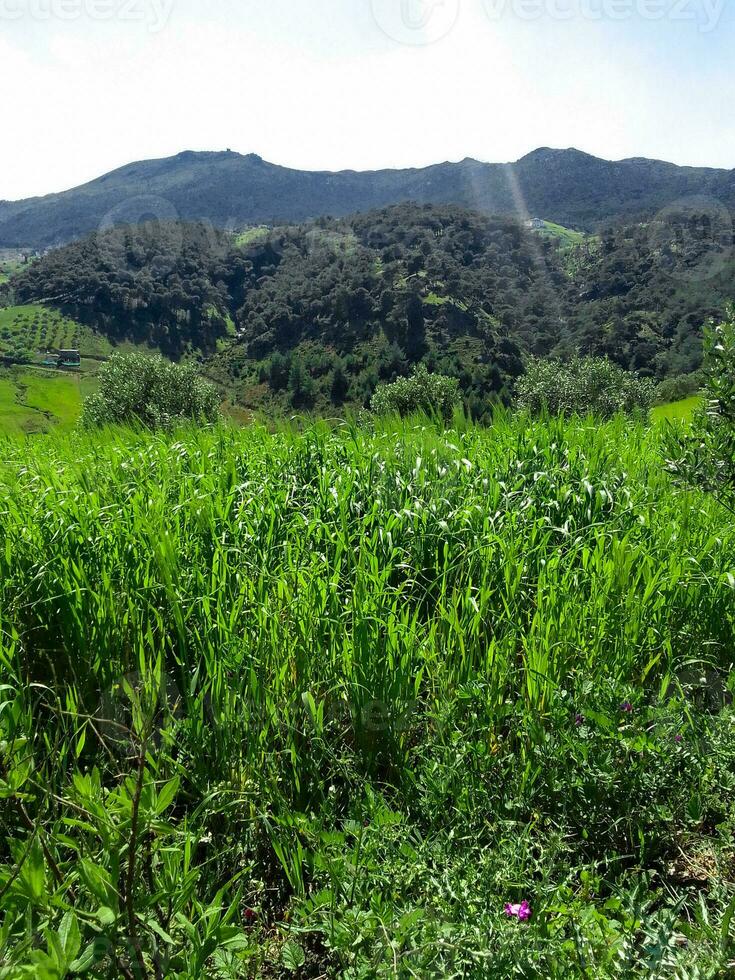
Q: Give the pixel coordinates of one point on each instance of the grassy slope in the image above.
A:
(33, 400)
(567, 237)
(682, 410)
(399, 662)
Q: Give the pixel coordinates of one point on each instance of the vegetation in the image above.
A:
(149, 390)
(33, 400)
(584, 386)
(316, 316)
(28, 332)
(325, 703)
(432, 394)
(706, 456)
(683, 410)
(165, 284)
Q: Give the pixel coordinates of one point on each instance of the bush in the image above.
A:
(705, 457)
(434, 394)
(588, 385)
(678, 388)
(149, 390)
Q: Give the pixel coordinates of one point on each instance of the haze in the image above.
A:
(89, 85)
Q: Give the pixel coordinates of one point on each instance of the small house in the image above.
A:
(69, 358)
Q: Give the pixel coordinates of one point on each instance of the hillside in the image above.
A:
(314, 316)
(230, 190)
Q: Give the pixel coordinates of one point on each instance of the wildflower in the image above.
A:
(250, 916)
(522, 911)
(627, 707)
(679, 739)
(579, 720)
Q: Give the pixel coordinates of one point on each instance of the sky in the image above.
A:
(89, 85)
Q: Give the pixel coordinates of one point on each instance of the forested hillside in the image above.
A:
(316, 315)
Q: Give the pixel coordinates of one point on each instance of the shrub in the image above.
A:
(422, 392)
(678, 388)
(705, 456)
(583, 386)
(149, 390)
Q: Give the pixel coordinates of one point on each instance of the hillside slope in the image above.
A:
(228, 189)
(315, 315)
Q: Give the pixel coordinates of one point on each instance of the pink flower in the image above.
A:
(522, 911)
(679, 739)
(579, 720)
(627, 707)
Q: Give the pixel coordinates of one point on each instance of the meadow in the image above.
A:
(336, 701)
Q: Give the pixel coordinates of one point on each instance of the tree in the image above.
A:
(149, 390)
(588, 385)
(422, 392)
(705, 457)
(340, 384)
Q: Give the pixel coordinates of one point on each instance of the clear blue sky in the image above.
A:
(88, 85)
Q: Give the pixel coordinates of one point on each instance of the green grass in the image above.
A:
(567, 237)
(15, 418)
(251, 236)
(8, 268)
(33, 400)
(682, 410)
(319, 703)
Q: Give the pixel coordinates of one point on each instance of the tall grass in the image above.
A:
(257, 678)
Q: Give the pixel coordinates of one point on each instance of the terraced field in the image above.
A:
(28, 331)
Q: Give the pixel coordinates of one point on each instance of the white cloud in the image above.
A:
(322, 86)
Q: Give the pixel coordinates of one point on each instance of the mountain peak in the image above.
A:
(230, 189)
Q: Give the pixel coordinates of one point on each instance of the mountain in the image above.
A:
(230, 190)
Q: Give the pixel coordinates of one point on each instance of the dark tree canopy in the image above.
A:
(317, 315)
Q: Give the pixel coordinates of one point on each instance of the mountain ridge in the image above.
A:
(567, 186)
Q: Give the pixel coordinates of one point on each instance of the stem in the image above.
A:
(130, 876)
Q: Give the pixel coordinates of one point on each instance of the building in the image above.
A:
(69, 358)
(536, 223)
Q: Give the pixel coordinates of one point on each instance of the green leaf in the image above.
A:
(167, 795)
(293, 956)
(87, 960)
(71, 939)
(726, 922)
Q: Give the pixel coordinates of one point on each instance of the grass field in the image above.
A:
(682, 410)
(8, 267)
(567, 237)
(34, 400)
(250, 236)
(322, 703)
